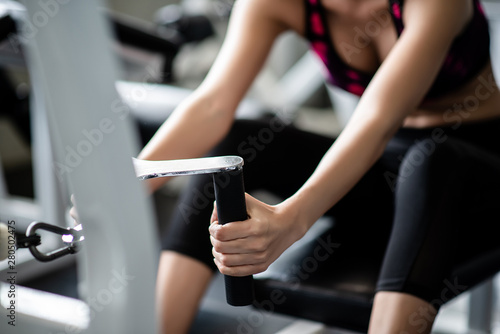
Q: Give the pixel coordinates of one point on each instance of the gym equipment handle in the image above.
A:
(72, 245)
(231, 206)
(227, 174)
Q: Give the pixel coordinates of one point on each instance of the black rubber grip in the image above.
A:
(231, 206)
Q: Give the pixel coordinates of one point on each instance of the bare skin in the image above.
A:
(405, 69)
(400, 313)
(178, 300)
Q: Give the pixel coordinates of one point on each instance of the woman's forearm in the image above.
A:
(250, 246)
(398, 87)
(193, 129)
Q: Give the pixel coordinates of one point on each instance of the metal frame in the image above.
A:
(74, 74)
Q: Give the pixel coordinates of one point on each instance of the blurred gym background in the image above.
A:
(307, 102)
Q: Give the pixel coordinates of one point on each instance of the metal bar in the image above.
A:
(481, 308)
(146, 169)
(71, 65)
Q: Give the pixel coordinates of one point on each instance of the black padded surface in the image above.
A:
(340, 293)
(333, 308)
(306, 283)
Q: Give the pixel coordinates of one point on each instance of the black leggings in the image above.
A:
(429, 203)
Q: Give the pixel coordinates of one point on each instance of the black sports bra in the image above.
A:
(468, 54)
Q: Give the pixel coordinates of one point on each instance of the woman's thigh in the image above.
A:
(440, 216)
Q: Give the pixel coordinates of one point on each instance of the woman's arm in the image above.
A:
(203, 119)
(396, 90)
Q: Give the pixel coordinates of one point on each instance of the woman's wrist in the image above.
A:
(292, 214)
(305, 208)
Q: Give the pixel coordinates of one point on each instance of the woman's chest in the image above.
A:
(362, 36)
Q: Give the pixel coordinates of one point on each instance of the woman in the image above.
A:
(422, 140)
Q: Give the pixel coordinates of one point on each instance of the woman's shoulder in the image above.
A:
(453, 13)
(289, 13)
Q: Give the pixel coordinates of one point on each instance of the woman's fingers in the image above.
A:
(243, 246)
(240, 259)
(72, 212)
(249, 247)
(214, 216)
(232, 231)
(243, 270)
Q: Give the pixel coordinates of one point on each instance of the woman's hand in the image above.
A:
(249, 247)
(72, 212)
